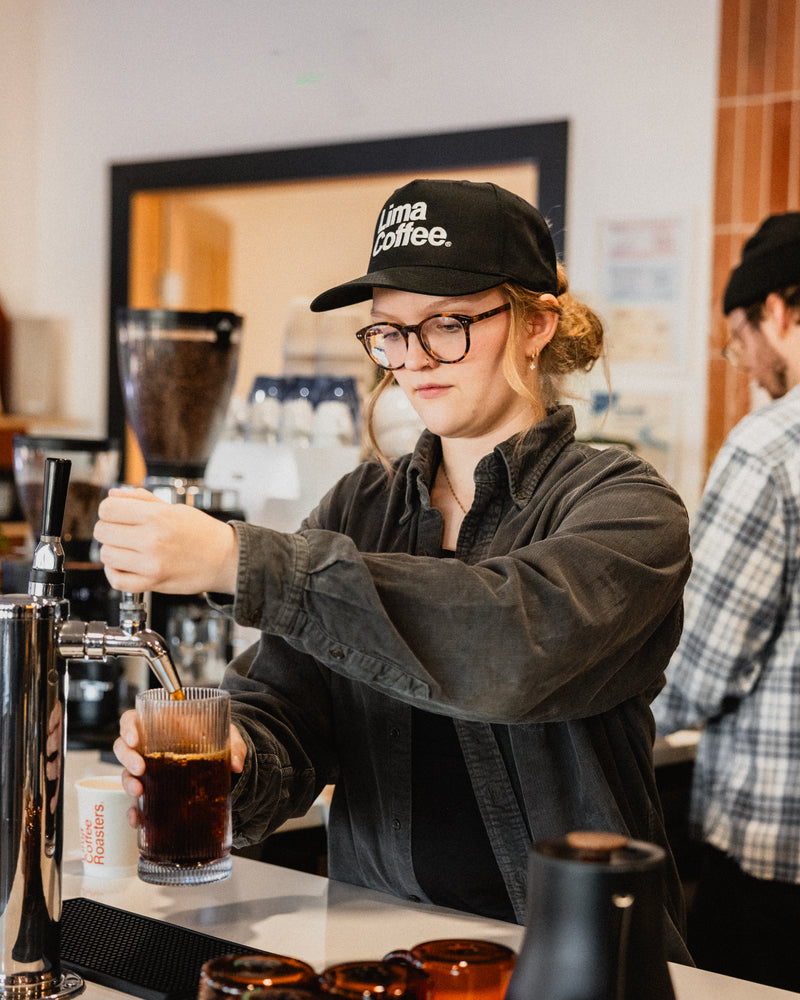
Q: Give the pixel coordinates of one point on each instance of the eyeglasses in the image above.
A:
(444, 337)
(732, 350)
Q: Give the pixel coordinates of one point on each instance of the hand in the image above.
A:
(53, 745)
(148, 544)
(126, 752)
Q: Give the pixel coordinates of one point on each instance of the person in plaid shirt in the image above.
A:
(736, 671)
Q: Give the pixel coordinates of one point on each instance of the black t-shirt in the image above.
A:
(453, 859)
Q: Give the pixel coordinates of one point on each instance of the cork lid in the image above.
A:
(595, 845)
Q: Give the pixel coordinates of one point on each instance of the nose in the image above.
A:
(416, 357)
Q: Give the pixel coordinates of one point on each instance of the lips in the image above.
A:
(431, 390)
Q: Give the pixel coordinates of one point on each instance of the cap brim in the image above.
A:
(423, 280)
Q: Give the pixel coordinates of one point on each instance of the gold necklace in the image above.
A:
(450, 487)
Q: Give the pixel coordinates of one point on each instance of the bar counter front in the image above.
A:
(322, 922)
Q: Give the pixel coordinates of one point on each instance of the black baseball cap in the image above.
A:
(442, 237)
(770, 262)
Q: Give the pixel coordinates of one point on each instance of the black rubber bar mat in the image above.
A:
(138, 955)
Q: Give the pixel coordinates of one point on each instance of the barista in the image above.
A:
(465, 641)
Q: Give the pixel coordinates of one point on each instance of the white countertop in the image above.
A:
(308, 917)
(677, 748)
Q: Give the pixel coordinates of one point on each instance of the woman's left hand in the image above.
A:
(127, 752)
(149, 544)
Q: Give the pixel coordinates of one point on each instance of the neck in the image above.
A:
(461, 455)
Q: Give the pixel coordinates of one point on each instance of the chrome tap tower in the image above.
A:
(36, 640)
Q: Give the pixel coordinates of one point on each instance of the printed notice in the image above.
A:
(644, 289)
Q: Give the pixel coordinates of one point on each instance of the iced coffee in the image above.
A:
(185, 807)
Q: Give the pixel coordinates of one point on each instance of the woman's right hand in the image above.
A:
(149, 544)
(127, 753)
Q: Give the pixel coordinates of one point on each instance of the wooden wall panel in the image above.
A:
(757, 164)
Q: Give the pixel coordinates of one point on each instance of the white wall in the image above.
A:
(19, 107)
(99, 81)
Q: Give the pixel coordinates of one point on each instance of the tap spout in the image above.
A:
(96, 640)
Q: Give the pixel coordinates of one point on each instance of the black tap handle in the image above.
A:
(54, 500)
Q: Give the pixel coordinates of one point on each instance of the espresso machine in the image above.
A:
(177, 370)
(38, 639)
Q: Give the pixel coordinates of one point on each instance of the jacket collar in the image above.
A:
(524, 461)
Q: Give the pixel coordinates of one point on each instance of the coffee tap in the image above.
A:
(37, 638)
(97, 640)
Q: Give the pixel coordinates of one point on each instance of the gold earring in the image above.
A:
(532, 362)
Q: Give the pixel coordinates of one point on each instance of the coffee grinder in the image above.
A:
(177, 370)
(95, 695)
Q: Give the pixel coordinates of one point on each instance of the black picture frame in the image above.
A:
(543, 143)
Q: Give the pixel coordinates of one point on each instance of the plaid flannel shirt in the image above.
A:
(736, 670)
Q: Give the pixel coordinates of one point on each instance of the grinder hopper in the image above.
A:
(177, 371)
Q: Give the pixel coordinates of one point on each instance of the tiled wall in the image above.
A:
(758, 163)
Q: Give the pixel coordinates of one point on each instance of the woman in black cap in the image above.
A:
(464, 641)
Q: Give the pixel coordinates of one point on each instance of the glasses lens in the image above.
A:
(387, 346)
(444, 337)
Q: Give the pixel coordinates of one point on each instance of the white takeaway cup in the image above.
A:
(108, 841)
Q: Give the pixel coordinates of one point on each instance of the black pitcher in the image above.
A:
(594, 922)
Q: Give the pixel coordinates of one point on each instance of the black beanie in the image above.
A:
(770, 262)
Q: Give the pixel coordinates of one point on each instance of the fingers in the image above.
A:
(138, 492)
(132, 761)
(134, 788)
(126, 581)
(130, 728)
(126, 753)
(238, 751)
(128, 506)
(147, 544)
(132, 816)
(125, 533)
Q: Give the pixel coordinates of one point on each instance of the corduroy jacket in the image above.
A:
(545, 639)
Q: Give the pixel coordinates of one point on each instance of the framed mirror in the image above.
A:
(264, 231)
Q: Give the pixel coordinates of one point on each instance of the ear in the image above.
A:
(779, 317)
(541, 327)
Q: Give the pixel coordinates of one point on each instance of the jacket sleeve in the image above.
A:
(580, 613)
(280, 705)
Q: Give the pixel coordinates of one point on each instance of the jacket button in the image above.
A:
(396, 824)
(394, 732)
(336, 653)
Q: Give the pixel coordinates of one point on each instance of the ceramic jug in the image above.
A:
(594, 928)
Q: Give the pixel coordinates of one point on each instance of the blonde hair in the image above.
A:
(575, 347)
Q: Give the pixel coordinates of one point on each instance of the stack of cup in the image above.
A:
(108, 841)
